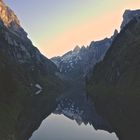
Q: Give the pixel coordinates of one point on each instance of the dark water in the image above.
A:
(59, 127)
(74, 118)
(69, 117)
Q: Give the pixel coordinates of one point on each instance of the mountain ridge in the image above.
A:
(78, 62)
(114, 84)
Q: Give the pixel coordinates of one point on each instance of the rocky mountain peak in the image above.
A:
(77, 48)
(129, 15)
(10, 20)
(115, 32)
(7, 15)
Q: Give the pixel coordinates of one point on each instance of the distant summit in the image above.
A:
(77, 48)
(79, 62)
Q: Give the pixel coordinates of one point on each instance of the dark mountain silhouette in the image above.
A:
(27, 79)
(115, 84)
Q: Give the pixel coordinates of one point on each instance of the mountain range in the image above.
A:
(110, 68)
(30, 83)
(79, 62)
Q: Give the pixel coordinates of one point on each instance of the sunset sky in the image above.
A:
(57, 26)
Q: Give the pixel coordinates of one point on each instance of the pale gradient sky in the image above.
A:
(57, 26)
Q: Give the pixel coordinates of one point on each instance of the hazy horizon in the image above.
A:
(56, 27)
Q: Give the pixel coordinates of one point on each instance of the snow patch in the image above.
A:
(39, 89)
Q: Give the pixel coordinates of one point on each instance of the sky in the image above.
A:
(57, 26)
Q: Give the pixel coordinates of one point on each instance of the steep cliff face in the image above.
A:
(115, 84)
(25, 74)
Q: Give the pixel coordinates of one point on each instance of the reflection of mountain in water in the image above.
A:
(78, 107)
(74, 104)
(32, 115)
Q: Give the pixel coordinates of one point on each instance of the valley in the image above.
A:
(93, 90)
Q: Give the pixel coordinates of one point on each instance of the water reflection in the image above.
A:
(82, 111)
(73, 117)
(60, 127)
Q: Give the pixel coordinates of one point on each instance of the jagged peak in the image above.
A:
(129, 15)
(115, 32)
(77, 48)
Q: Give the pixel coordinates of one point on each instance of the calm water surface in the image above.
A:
(59, 127)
